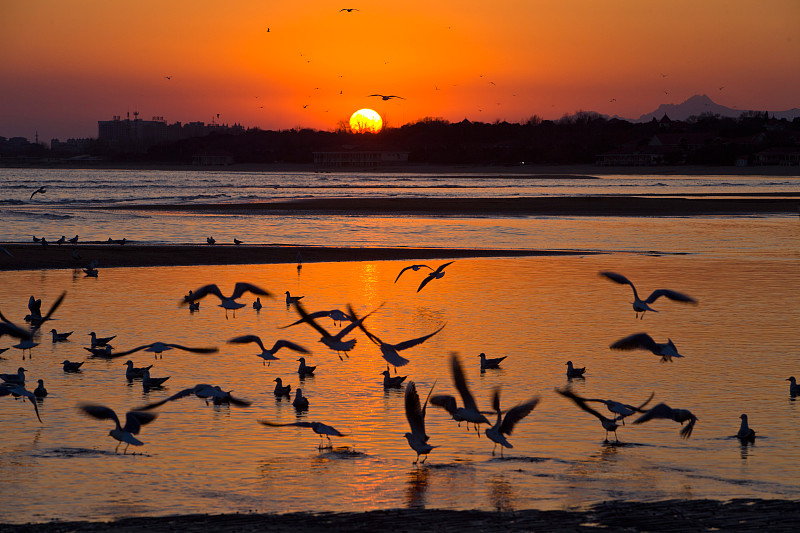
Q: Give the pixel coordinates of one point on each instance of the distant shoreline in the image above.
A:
(671, 515)
(531, 170)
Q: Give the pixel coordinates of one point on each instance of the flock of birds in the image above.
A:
(462, 409)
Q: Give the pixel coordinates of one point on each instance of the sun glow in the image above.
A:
(365, 121)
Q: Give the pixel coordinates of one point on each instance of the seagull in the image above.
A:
(26, 344)
(134, 420)
(436, 274)
(663, 410)
(641, 306)
(203, 391)
(40, 190)
(40, 391)
(62, 240)
(15, 379)
(644, 341)
(334, 314)
(72, 366)
(194, 306)
(390, 351)
(490, 362)
(417, 438)
(622, 410)
(349, 9)
(268, 354)
(505, 425)
(385, 97)
(100, 341)
(412, 267)
(573, 372)
(794, 388)
(211, 240)
(226, 302)
(317, 427)
(59, 337)
(292, 299)
(151, 383)
(133, 372)
(745, 433)
(17, 390)
(281, 389)
(334, 342)
(257, 304)
(390, 382)
(104, 352)
(609, 424)
(9, 328)
(303, 369)
(35, 308)
(73, 240)
(468, 413)
(236, 241)
(91, 272)
(300, 402)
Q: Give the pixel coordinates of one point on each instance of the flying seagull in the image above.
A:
(134, 420)
(158, 347)
(643, 341)
(417, 438)
(349, 9)
(436, 274)
(641, 306)
(609, 424)
(663, 410)
(385, 97)
(505, 425)
(17, 390)
(317, 427)
(468, 413)
(203, 391)
(334, 342)
(268, 354)
(226, 302)
(412, 267)
(40, 190)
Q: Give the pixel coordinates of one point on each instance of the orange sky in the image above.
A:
(66, 65)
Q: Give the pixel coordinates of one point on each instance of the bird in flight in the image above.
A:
(168, 77)
(412, 267)
(641, 306)
(43, 190)
(387, 96)
(436, 274)
(349, 9)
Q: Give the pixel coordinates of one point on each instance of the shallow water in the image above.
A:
(539, 312)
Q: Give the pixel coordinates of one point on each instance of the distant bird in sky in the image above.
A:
(505, 425)
(268, 354)
(574, 372)
(40, 190)
(417, 438)
(745, 433)
(134, 420)
(317, 427)
(436, 274)
(349, 9)
(609, 424)
(663, 410)
(641, 306)
(412, 267)
(390, 351)
(385, 97)
(469, 413)
(226, 302)
(643, 341)
(490, 362)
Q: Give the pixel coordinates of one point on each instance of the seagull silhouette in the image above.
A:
(436, 274)
(468, 413)
(745, 433)
(268, 354)
(385, 97)
(609, 424)
(40, 190)
(643, 341)
(226, 302)
(641, 306)
(317, 427)
(349, 9)
(203, 391)
(505, 425)
(412, 267)
(417, 438)
(17, 391)
(134, 420)
(334, 342)
(663, 410)
(158, 347)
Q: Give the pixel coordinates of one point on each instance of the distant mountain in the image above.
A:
(699, 104)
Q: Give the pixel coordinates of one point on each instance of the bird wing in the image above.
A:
(193, 350)
(22, 391)
(126, 352)
(635, 341)
(314, 315)
(413, 342)
(282, 343)
(580, 402)
(244, 339)
(401, 272)
(661, 410)
(416, 420)
(440, 268)
(392, 357)
(202, 292)
(9, 328)
(517, 413)
(101, 412)
(641, 406)
(242, 287)
(176, 396)
(686, 432)
(134, 420)
(277, 425)
(305, 317)
(672, 295)
(619, 278)
(425, 281)
(357, 322)
(445, 401)
(50, 312)
(360, 322)
(461, 383)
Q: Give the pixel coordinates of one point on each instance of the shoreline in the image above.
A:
(32, 256)
(670, 515)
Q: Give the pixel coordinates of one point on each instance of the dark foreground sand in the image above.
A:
(672, 515)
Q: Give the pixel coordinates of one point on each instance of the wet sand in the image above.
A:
(672, 515)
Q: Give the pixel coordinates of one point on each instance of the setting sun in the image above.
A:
(365, 121)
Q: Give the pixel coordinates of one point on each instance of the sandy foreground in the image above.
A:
(671, 515)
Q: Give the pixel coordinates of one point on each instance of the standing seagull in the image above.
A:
(268, 354)
(40, 190)
(505, 425)
(468, 413)
(412, 267)
(745, 433)
(640, 306)
(417, 438)
(134, 420)
(390, 351)
(436, 274)
(317, 427)
(573, 372)
(644, 341)
(609, 424)
(663, 410)
(226, 302)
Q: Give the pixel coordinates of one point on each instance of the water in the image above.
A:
(739, 342)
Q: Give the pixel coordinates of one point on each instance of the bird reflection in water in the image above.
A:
(417, 487)
(501, 494)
